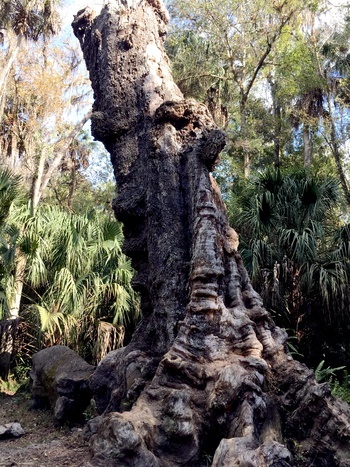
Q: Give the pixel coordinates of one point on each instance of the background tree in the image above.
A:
(9, 192)
(333, 60)
(318, 105)
(37, 138)
(37, 129)
(227, 46)
(22, 20)
(296, 250)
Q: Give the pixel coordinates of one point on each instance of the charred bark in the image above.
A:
(8, 334)
(205, 374)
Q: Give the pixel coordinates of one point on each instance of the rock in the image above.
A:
(10, 430)
(60, 380)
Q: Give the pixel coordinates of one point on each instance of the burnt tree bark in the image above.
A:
(205, 375)
(8, 334)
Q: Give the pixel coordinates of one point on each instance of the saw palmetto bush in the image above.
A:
(297, 250)
(76, 282)
(88, 300)
(84, 298)
(9, 193)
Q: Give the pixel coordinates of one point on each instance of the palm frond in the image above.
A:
(328, 280)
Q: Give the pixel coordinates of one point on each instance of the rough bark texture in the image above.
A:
(205, 379)
(8, 333)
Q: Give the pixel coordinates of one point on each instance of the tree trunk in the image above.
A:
(72, 186)
(14, 305)
(44, 174)
(276, 108)
(36, 183)
(8, 327)
(8, 334)
(244, 137)
(334, 146)
(4, 73)
(205, 375)
(307, 146)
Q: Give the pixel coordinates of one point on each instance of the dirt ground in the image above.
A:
(43, 444)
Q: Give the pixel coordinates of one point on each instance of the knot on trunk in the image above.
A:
(194, 122)
(82, 20)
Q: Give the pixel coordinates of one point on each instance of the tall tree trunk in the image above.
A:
(4, 73)
(334, 146)
(277, 123)
(205, 374)
(8, 327)
(14, 305)
(277, 137)
(44, 174)
(244, 137)
(36, 189)
(307, 145)
(72, 186)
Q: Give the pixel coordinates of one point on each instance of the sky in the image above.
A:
(99, 161)
(71, 7)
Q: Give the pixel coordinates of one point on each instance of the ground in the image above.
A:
(44, 444)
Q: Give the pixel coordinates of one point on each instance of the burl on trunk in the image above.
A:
(205, 379)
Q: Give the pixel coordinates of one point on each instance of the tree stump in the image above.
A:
(205, 379)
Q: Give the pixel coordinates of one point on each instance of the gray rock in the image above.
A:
(60, 380)
(10, 430)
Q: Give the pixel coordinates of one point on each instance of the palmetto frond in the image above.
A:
(329, 279)
(124, 272)
(257, 256)
(109, 337)
(299, 246)
(50, 322)
(37, 274)
(343, 234)
(270, 180)
(259, 213)
(9, 191)
(30, 18)
(88, 277)
(292, 240)
(53, 324)
(75, 274)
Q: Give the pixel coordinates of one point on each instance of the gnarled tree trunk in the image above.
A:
(205, 375)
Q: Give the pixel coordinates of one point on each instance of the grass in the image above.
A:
(11, 386)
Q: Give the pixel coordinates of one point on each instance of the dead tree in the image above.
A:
(205, 375)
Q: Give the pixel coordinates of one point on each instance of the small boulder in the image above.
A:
(60, 380)
(11, 430)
